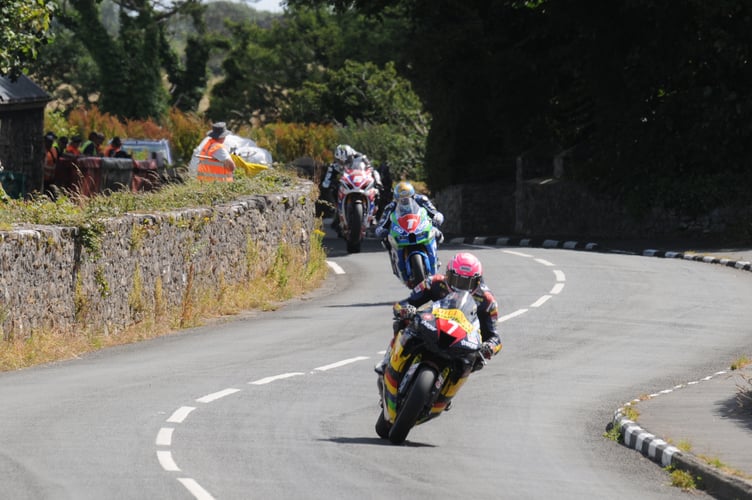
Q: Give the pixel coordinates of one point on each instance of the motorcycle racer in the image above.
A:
(403, 192)
(464, 272)
(344, 155)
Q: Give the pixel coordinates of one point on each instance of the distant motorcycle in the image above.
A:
(356, 202)
(412, 243)
(430, 360)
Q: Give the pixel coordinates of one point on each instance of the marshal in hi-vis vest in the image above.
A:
(209, 168)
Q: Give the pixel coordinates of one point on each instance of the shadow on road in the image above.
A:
(364, 304)
(375, 440)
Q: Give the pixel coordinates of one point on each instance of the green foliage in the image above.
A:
(288, 141)
(129, 55)
(613, 433)
(24, 28)
(659, 96)
(387, 143)
(87, 213)
(682, 479)
(187, 129)
(66, 71)
(280, 72)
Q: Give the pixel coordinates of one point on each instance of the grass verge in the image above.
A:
(292, 275)
(294, 272)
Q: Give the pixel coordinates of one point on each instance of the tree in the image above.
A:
(24, 27)
(384, 115)
(131, 60)
(650, 98)
(300, 70)
(268, 70)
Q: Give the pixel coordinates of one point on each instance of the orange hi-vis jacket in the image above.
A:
(50, 162)
(209, 168)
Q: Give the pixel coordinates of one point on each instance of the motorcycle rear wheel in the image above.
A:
(416, 400)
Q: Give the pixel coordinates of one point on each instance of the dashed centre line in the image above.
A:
(164, 436)
(266, 380)
(180, 414)
(340, 363)
(217, 395)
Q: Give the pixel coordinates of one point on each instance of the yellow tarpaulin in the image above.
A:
(250, 169)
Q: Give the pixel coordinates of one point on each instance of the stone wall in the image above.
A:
(110, 277)
(556, 207)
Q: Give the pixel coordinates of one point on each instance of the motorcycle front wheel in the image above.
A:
(417, 270)
(383, 426)
(354, 225)
(416, 400)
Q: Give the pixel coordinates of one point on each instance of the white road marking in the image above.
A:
(195, 489)
(544, 262)
(340, 363)
(180, 414)
(266, 380)
(519, 254)
(540, 301)
(512, 315)
(216, 395)
(164, 437)
(166, 461)
(335, 267)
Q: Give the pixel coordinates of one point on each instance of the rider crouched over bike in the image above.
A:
(403, 192)
(344, 155)
(464, 272)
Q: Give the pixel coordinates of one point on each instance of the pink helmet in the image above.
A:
(464, 272)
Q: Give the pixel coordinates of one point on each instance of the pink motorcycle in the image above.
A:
(356, 202)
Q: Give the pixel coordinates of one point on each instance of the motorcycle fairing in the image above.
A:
(356, 184)
(455, 334)
(412, 233)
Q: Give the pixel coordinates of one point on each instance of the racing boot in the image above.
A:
(381, 365)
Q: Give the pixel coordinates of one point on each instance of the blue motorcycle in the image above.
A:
(412, 244)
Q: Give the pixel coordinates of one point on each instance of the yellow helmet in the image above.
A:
(403, 190)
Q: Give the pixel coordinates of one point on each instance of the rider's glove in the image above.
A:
(487, 350)
(406, 312)
(438, 219)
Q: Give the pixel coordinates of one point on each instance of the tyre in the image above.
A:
(417, 270)
(416, 400)
(354, 225)
(383, 426)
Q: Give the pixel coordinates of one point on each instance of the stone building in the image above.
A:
(22, 104)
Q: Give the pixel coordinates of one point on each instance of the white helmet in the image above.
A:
(343, 152)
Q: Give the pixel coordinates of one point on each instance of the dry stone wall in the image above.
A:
(109, 278)
(553, 207)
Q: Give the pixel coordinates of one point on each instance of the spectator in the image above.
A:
(62, 143)
(51, 157)
(214, 161)
(115, 149)
(93, 147)
(73, 148)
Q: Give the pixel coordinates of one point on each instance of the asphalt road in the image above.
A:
(282, 404)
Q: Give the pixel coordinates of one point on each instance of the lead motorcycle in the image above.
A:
(412, 243)
(430, 360)
(356, 202)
